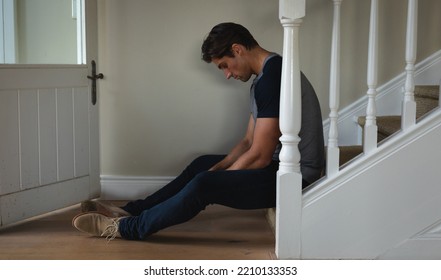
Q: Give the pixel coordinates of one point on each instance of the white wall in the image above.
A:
(161, 105)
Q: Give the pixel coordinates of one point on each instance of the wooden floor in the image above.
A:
(218, 233)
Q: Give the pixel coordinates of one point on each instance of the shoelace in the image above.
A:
(111, 230)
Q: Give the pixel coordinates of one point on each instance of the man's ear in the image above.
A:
(237, 49)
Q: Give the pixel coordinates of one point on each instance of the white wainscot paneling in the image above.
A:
(29, 151)
(65, 134)
(44, 137)
(9, 148)
(81, 144)
(48, 136)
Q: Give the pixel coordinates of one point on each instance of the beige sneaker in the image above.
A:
(105, 208)
(97, 224)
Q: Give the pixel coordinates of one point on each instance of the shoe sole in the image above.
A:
(81, 214)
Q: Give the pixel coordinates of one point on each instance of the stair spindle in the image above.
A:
(370, 128)
(409, 104)
(290, 99)
(333, 153)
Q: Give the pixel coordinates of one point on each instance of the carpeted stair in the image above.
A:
(426, 98)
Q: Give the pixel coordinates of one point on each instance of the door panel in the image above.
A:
(45, 143)
(49, 145)
(24, 204)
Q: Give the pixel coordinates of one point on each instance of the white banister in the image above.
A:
(289, 178)
(409, 105)
(370, 128)
(333, 153)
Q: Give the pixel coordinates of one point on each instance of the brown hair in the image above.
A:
(221, 38)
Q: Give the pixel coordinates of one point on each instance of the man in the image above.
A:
(243, 179)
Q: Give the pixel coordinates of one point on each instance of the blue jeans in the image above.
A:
(188, 194)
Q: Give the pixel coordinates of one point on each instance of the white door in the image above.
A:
(49, 135)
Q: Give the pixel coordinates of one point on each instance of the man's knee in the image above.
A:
(201, 185)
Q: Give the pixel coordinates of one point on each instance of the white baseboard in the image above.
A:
(130, 187)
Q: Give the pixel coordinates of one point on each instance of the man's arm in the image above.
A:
(265, 138)
(238, 150)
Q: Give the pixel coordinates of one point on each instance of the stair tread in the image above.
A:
(347, 153)
(387, 125)
(426, 97)
(431, 92)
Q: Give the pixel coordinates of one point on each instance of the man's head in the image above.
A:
(221, 38)
(228, 45)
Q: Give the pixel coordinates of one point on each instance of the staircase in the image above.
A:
(381, 200)
(386, 205)
(427, 100)
(367, 211)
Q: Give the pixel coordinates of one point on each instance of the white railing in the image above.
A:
(289, 180)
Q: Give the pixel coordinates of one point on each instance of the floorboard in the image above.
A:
(218, 233)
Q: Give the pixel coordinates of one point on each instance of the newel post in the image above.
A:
(289, 178)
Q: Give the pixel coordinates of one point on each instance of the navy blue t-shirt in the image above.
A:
(265, 103)
(265, 90)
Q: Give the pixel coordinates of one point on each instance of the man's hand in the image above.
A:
(256, 149)
(265, 140)
(242, 147)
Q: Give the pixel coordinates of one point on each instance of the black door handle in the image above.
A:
(94, 77)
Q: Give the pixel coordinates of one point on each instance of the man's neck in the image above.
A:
(258, 56)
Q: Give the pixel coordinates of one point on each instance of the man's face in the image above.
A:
(234, 67)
